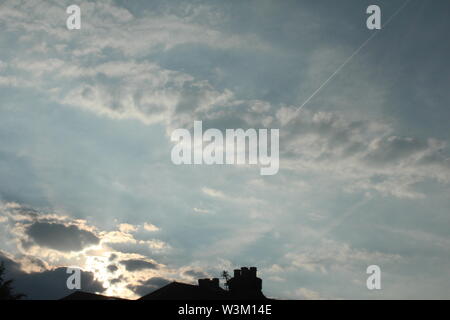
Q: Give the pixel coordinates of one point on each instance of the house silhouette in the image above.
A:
(245, 285)
(81, 295)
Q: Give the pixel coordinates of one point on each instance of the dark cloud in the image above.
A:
(112, 268)
(26, 244)
(112, 257)
(61, 237)
(195, 274)
(46, 285)
(25, 211)
(136, 264)
(146, 287)
(117, 280)
(29, 260)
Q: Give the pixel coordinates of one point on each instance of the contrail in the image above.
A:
(351, 56)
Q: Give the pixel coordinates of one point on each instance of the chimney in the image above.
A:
(246, 284)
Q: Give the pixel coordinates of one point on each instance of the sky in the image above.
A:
(86, 177)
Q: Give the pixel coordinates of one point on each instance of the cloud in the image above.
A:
(394, 149)
(150, 227)
(196, 274)
(363, 156)
(148, 286)
(158, 29)
(61, 237)
(202, 211)
(127, 242)
(127, 88)
(112, 268)
(137, 265)
(355, 150)
(127, 228)
(46, 284)
(307, 294)
(330, 254)
(33, 228)
(117, 280)
(213, 193)
(112, 257)
(45, 242)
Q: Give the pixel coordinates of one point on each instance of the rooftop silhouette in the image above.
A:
(244, 285)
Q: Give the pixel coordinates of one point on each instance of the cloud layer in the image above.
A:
(85, 165)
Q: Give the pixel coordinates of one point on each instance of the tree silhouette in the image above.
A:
(6, 289)
(226, 276)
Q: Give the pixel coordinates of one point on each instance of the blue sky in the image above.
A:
(86, 117)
